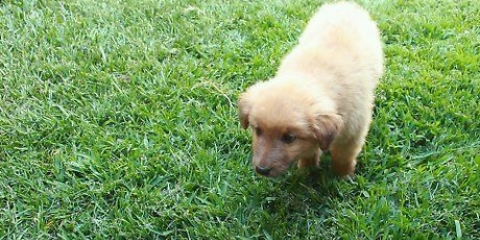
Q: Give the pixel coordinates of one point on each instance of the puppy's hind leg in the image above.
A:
(310, 161)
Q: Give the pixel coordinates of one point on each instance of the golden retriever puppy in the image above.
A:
(322, 96)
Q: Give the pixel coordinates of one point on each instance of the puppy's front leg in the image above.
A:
(344, 157)
(311, 161)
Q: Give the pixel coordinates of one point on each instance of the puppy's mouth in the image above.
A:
(270, 172)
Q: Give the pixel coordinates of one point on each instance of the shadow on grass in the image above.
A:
(301, 190)
(295, 204)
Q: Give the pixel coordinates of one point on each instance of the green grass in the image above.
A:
(118, 120)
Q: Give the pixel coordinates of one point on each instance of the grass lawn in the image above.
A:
(118, 119)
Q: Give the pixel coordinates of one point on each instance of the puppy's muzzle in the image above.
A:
(265, 171)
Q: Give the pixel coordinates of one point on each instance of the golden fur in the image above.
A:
(322, 96)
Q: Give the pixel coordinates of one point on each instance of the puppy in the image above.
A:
(321, 97)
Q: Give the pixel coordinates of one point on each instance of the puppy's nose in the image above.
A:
(263, 170)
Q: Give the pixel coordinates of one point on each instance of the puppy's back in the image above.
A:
(337, 23)
(341, 37)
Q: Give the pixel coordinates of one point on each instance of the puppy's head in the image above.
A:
(288, 123)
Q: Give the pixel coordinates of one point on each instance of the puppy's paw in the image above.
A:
(344, 169)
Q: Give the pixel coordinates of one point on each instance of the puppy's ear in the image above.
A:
(246, 101)
(325, 128)
(244, 108)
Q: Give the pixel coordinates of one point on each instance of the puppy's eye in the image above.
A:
(258, 131)
(288, 138)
